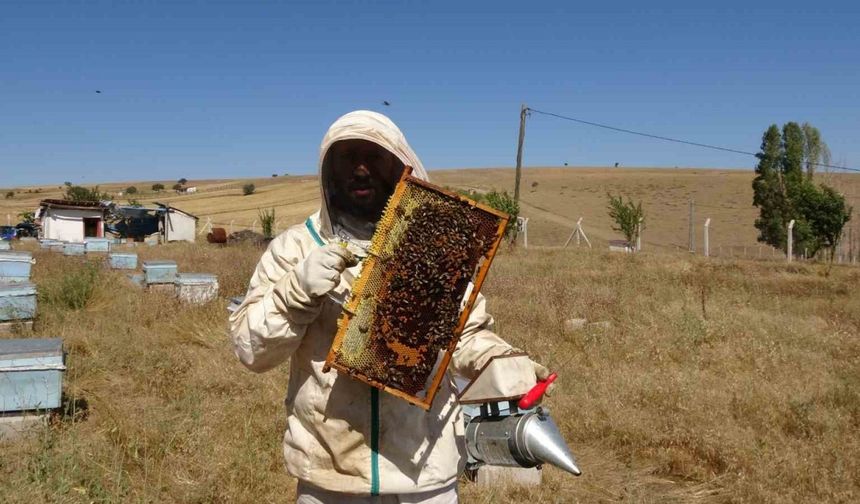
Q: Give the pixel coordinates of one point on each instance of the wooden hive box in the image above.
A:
(97, 244)
(196, 288)
(17, 301)
(123, 260)
(159, 272)
(74, 248)
(15, 266)
(31, 374)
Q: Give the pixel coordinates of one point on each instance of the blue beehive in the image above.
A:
(15, 266)
(123, 260)
(97, 244)
(5, 245)
(48, 243)
(157, 272)
(74, 248)
(31, 374)
(17, 301)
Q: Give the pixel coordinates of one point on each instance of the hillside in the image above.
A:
(552, 198)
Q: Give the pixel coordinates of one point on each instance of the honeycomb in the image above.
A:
(407, 307)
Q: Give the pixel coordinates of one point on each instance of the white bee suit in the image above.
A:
(342, 435)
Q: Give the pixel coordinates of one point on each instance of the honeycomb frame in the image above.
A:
(352, 352)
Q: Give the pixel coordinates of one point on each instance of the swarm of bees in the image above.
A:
(427, 278)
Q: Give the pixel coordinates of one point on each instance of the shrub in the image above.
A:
(131, 190)
(80, 193)
(627, 216)
(157, 187)
(183, 181)
(177, 187)
(267, 222)
(10, 194)
(73, 291)
(248, 189)
(504, 202)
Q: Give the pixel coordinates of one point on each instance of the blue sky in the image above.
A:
(242, 89)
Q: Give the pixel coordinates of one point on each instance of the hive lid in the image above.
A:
(16, 256)
(158, 264)
(30, 347)
(123, 254)
(195, 278)
(17, 289)
(97, 239)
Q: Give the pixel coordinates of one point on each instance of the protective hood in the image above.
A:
(363, 125)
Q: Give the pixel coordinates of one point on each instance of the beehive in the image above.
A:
(408, 306)
(123, 260)
(15, 266)
(5, 245)
(31, 372)
(48, 243)
(159, 272)
(196, 288)
(98, 244)
(74, 248)
(17, 301)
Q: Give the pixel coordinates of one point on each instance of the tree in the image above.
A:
(157, 187)
(183, 181)
(815, 150)
(767, 189)
(131, 190)
(80, 193)
(177, 187)
(10, 194)
(248, 189)
(627, 216)
(782, 192)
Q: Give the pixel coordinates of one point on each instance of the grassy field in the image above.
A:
(715, 381)
(552, 198)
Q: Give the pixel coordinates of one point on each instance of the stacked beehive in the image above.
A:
(17, 294)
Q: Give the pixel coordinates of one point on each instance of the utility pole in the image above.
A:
(692, 231)
(523, 112)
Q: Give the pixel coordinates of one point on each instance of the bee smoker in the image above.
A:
(503, 425)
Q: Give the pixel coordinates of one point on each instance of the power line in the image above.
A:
(675, 140)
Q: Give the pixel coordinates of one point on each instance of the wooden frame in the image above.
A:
(349, 309)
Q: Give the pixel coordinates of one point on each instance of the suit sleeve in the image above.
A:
(478, 343)
(271, 321)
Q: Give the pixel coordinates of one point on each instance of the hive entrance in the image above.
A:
(407, 307)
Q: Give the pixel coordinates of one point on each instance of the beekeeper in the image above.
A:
(345, 441)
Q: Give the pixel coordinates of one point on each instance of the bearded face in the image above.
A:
(362, 178)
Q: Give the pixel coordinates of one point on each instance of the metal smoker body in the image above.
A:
(500, 432)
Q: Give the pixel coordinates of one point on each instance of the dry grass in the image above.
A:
(716, 382)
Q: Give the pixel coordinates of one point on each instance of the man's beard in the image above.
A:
(370, 210)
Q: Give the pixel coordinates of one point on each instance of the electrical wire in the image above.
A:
(670, 139)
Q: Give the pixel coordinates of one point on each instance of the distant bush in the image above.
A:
(183, 181)
(177, 187)
(274, 175)
(157, 187)
(248, 189)
(10, 194)
(131, 190)
(73, 291)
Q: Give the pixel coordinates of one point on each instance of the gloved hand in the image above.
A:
(320, 271)
(542, 373)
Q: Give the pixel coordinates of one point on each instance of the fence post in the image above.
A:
(706, 241)
(639, 235)
(231, 226)
(254, 226)
(789, 250)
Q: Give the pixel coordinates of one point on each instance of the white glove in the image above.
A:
(320, 271)
(542, 373)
